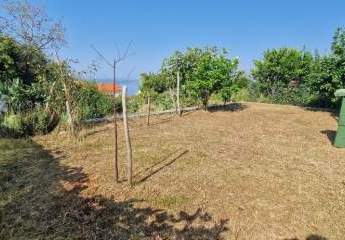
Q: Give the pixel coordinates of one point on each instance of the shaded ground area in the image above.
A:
(40, 199)
(252, 171)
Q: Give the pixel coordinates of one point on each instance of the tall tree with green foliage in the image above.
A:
(183, 63)
(281, 70)
(202, 71)
(328, 72)
(213, 72)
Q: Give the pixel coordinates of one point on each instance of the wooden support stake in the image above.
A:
(127, 138)
(148, 110)
(178, 94)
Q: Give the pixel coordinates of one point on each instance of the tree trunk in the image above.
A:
(115, 129)
(127, 138)
(205, 100)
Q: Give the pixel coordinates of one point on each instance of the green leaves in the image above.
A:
(203, 72)
(328, 72)
(91, 103)
(280, 69)
(214, 72)
(292, 76)
(151, 83)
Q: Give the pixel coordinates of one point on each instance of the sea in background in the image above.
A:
(132, 84)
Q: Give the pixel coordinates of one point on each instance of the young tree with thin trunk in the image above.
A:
(113, 65)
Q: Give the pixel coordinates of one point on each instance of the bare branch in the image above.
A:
(119, 58)
(30, 25)
(122, 57)
(130, 73)
(118, 52)
(101, 56)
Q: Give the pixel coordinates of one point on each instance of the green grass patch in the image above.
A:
(170, 201)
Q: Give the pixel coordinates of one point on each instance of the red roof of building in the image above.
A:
(108, 88)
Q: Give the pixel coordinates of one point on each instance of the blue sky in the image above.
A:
(158, 28)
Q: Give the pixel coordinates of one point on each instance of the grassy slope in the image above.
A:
(262, 172)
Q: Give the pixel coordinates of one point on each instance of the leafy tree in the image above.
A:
(213, 72)
(328, 72)
(184, 63)
(203, 72)
(281, 71)
(338, 44)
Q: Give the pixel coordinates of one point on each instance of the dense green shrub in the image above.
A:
(188, 101)
(38, 122)
(117, 102)
(11, 125)
(290, 76)
(163, 102)
(135, 103)
(23, 74)
(243, 95)
(300, 96)
(27, 124)
(91, 103)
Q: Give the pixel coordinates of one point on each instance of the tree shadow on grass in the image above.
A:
(41, 199)
(95, 130)
(334, 113)
(310, 237)
(160, 120)
(331, 134)
(155, 168)
(229, 107)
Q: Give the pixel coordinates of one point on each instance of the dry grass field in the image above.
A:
(255, 171)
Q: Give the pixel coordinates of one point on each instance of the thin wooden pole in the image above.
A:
(115, 128)
(127, 138)
(178, 94)
(148, 110)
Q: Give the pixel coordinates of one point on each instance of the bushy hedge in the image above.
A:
(27, 124)
(292, 76)
(91, 103)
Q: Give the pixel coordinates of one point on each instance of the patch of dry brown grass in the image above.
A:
(271, 170)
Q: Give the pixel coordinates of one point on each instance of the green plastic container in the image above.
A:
(340, 137)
